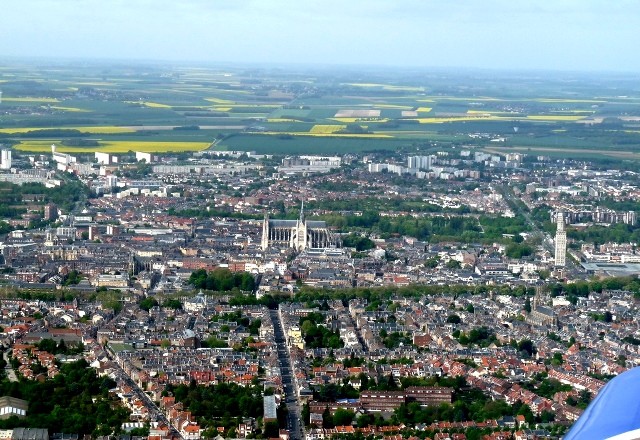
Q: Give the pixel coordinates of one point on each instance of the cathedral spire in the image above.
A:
(302, 212)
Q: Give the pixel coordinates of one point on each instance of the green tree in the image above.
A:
(172, 303)
(358, 242)
(222, 279)
(365, 420)
(343, 417)
(148, 303)
(453, 264)
(454, 319)
(608, 316)
(557, 359)
(271, 429)
(305, 414)
(526, 346)
(432, 263)
(518, 250)
(76, 400)
(327, 419)
(72, 277)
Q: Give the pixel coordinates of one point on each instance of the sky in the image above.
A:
(574, 35)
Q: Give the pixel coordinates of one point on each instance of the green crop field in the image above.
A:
(114, 147)
(307, 144)
(269, 111)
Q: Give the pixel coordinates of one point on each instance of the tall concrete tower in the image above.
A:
(5, 159)
(561, 241)
(265, 232)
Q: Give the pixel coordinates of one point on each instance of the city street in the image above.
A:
(294, 420)
(154, 412)
(11, 374)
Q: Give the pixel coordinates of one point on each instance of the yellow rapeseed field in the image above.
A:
(347, 120)
(219, 101)
(424, 109)
(71, 109)
(365, 84)
(156, 105)
(403, 88)
(149, 104)
(326, 129)
(28, 99)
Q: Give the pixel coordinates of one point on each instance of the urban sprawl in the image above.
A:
(454, 294)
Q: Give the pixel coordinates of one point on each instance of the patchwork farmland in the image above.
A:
(189, 109)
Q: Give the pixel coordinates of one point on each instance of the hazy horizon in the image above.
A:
(543, 35)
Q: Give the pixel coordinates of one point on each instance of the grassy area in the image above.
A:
(91, 130)
(118, 347)
(308, 144)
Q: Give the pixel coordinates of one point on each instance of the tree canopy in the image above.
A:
(74, 401)
(222, 280)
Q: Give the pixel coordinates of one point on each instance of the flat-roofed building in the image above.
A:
(270, 409)
(30, 434)
(11, 406)
(382, 400)
(429, 395)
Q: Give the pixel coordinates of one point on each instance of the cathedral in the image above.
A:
(541, 315)
(297, 234)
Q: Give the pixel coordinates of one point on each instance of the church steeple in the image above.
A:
(302, 212)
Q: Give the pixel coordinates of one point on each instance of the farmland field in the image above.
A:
(325, 129)
(154, 108)
(92, 130)
(114, 147)
(267, 144)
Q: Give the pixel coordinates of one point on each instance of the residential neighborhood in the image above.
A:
(383, 321)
